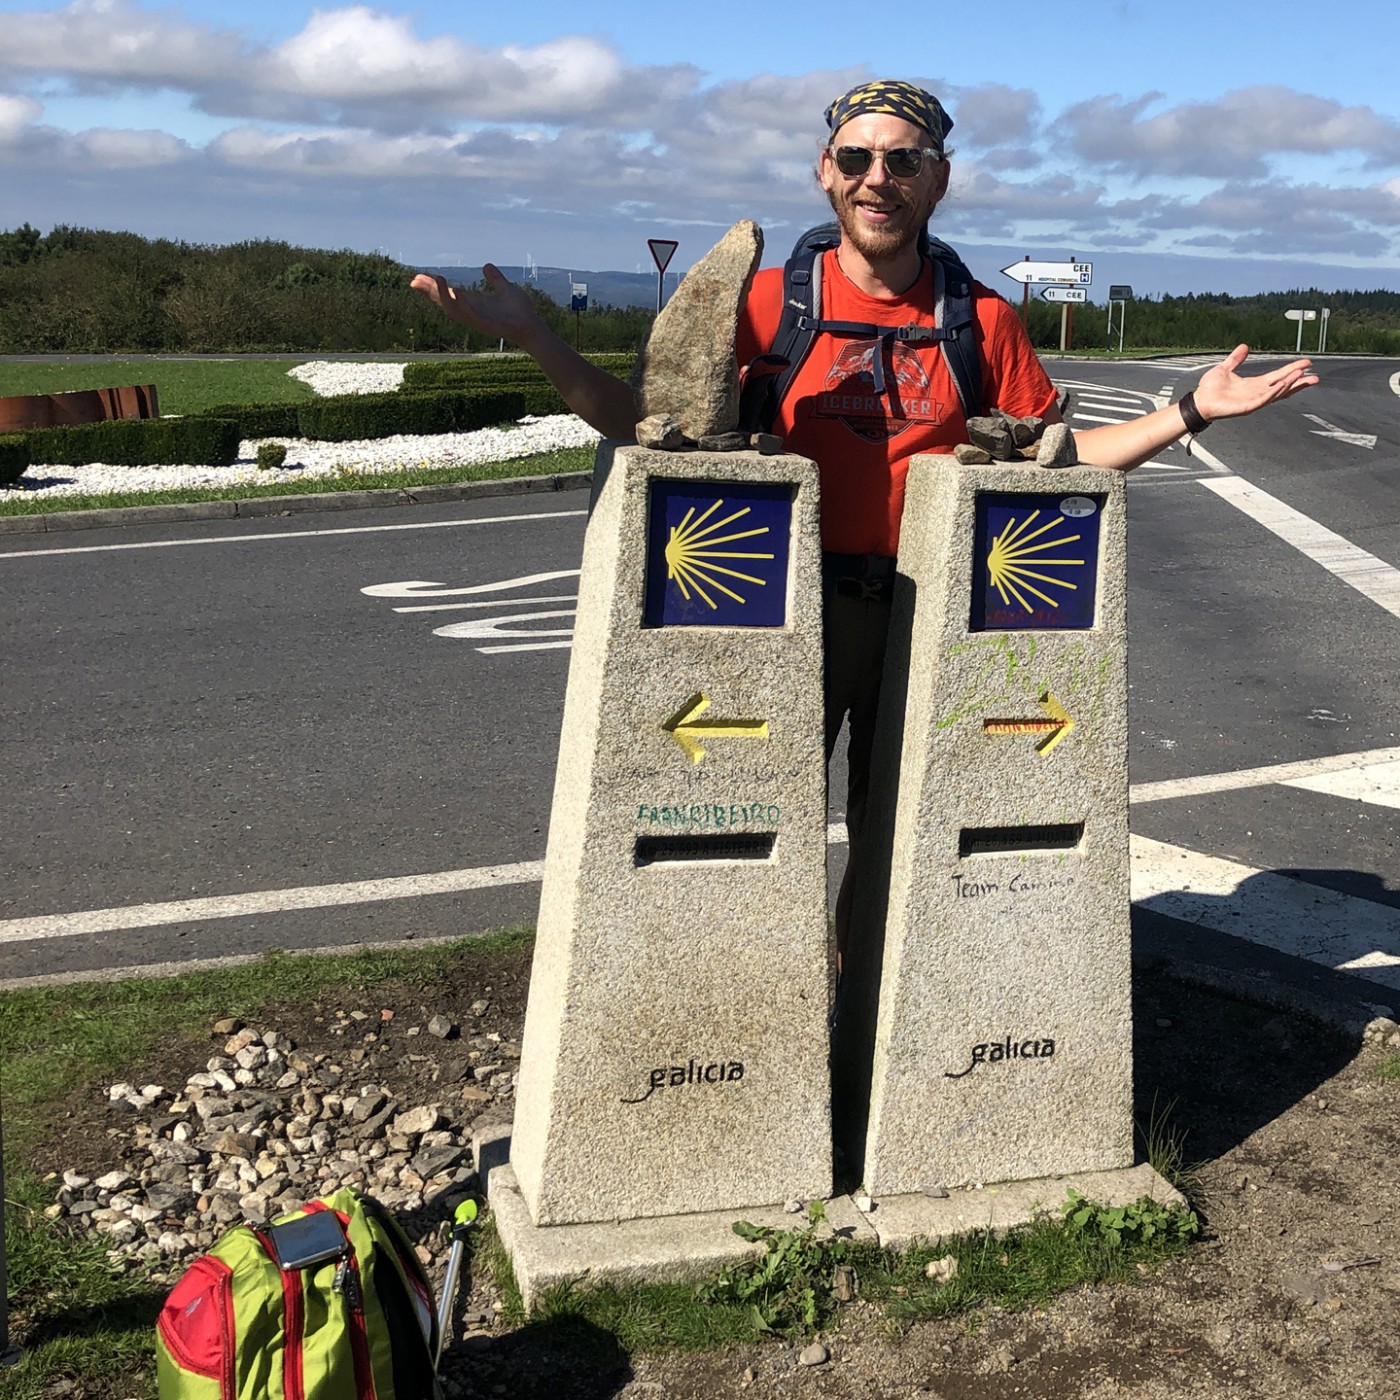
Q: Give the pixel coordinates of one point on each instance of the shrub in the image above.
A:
(259, 420)
(271, 455)
(14, 458)
(542, 399)
(515, 369)
(138, 442)
(348, 416)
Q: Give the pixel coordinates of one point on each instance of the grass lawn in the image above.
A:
(80, 1320)
(182, 386)
(566, 460)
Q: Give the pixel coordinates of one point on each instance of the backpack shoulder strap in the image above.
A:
(767, 378)
(800, 321)
(952, 296)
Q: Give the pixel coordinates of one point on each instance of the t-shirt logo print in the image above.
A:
(849, 393)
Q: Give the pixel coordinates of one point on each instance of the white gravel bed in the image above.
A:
(307, 460)
(347, 377)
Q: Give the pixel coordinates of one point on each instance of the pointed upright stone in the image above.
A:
(687, 367)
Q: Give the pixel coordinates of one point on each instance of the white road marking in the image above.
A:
(1307, 921)
(1370, 576)
(491, 627)
(292, 534)
(1377, 783)
(1330, 430)
(1304, 769)
(421, 588)
(1095, 418)
(238, 906)
(181, 911)
(527, 646)
(484, 603)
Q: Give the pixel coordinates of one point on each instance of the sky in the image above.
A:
(1207, 145)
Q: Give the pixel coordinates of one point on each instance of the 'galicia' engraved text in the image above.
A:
(997, 1051)
(692, 1072)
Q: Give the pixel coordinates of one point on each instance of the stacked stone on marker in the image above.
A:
(686, 379)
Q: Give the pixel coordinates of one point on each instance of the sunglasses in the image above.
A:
(901, 162)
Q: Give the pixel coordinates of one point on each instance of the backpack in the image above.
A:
(347, 1314)
(767, 378)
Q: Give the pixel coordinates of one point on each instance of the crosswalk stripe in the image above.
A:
(1376, 783)
(1307, 921)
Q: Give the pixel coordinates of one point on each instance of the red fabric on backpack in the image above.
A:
(860, 442)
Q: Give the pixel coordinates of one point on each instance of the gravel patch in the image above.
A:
(308, 460)
(344, 377)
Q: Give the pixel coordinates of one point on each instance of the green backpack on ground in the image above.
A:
(326, 1303)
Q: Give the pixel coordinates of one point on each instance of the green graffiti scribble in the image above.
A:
(1007, 676)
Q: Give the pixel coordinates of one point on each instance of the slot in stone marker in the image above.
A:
(675, 1047)
(985, 1031)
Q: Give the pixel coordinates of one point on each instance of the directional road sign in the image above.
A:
(1034, 273)
(1300, 315)
(662, 251)
(1119, 291)
(1064, 294)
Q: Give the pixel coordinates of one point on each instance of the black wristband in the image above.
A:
(1195, 421)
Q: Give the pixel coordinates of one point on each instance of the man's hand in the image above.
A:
(1224, 394)
(506, 310)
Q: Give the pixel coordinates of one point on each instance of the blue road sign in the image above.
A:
(717, 554)
(1035, 561)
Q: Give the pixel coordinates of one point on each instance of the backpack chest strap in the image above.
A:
(886, 335)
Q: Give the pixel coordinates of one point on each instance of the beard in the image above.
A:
(883, 240)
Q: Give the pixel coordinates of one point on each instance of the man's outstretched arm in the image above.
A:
(1221, 393)
(602, 400)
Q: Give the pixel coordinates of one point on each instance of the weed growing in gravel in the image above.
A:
(788, 1289)
(1164, 1146)
(1390, 1068)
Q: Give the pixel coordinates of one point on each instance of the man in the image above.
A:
(884, 169)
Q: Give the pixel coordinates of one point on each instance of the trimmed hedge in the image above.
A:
(519, 369)
(542, 399)
(138, 442)
(14, 458)
(348, 416)
(259, 420)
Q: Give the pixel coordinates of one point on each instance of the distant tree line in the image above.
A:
(75, 290)
(1361, 323)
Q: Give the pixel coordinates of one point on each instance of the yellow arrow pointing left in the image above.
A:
(687, 730)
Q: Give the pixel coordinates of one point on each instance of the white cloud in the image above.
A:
(359, 103)
(1231, 137)
(112, 42)
(17, 115)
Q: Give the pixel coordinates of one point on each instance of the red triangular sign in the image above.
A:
(662, 251)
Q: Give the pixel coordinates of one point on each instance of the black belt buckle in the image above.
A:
(864, 590)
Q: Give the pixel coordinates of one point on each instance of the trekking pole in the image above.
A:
(462, 1218)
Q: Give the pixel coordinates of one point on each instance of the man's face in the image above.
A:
(880, 215)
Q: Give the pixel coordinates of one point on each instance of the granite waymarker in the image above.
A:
(986, 1019)
(675, 1050)
(687, 367)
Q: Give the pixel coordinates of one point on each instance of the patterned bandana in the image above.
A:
(896, 98)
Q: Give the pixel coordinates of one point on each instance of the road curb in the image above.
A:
(261, 507)
(1346, 1002)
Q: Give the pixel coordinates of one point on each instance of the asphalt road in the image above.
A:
(229, 711)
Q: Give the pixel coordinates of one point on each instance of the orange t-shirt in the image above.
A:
(860, 441)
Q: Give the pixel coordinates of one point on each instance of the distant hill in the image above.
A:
(604, 288)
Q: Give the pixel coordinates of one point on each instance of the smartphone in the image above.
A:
(307, 1240)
